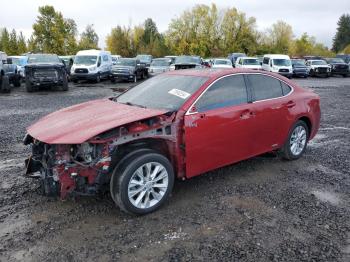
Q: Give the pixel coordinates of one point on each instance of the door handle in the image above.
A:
(246, 114)
(290, 104)
(201, 115)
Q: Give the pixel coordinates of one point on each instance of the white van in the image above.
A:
(248, 62)
(280, 64)
(91, 65)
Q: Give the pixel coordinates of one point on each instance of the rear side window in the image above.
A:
(286, 89)
(264, 87)
(105, 58)
(228, 91)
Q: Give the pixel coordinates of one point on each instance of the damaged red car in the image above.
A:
(179, 124)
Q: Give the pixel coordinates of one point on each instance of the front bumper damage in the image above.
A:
(85, 169)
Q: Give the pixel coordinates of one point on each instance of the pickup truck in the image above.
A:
(8, 74)
(130, 69)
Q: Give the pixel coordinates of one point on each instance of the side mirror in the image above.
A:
(261, 63)
(64, 63)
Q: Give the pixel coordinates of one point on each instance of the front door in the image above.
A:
(218, 131)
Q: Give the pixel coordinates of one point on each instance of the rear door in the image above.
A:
(273, 109)
(218, 131)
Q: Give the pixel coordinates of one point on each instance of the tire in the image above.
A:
(145, 196)
(297, 138)
(5, 84)
(29, 86)
(112, 79)
(65, 84)
(345, 75)
(17, 81)
(75, 81)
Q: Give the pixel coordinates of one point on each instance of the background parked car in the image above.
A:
(159, 65)
(8, 73)
(172, 58)
(145, 59)
(45, 70)
(233, 57)
(20, 62)
(276, 63)
(221, 63)
(318, 68)
(130, 69)
(68, 61)
(115, 59)
(185, 62)
(299, 68)
(91, 65)
(248, 62)
(338, 66)
(345, 57)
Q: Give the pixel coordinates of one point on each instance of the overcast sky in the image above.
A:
(316, 17)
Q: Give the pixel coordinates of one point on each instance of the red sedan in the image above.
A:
(178, 124)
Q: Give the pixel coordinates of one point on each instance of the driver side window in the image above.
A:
(225, 92)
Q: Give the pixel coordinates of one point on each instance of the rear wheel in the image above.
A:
(143, 183)
(98, 78)
(296, 142)
(345, 75)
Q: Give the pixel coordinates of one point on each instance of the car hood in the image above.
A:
(78, 123)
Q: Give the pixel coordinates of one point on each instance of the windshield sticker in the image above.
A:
(179, 93)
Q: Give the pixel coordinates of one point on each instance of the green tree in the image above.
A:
(280, 37)
(13, 45)
(5, 41)
(21, 44)
(89, 38)
(52, 32)
(347, 49)
(342, 36)
(119, 41)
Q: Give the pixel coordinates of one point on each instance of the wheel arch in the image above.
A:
(308, 123)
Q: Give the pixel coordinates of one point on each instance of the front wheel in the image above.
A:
(5, 84)
(98, 78)
(29, 86)
(143, 183)
(65, 84)
(296, 142)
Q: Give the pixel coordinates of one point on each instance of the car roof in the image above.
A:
(217, 72)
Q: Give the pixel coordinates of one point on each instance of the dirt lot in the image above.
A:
(263, 209)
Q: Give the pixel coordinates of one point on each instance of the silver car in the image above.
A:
(159, 65)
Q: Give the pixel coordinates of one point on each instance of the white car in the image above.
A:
(280, 64)
(318, 68)
(221, 63)
(91, 65)
(20, 62)
(248, 62)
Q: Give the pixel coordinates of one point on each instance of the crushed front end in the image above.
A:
(65, 169)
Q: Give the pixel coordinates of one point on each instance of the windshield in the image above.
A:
(43, 59)
(298, 62)
(126, 62)
(336, 60)
(319, 62)
(251, 61)
(187, 60)
(168, 92)
(144, 58)
(222, 62)
(281, 62)
(162, 62)
(85, 60)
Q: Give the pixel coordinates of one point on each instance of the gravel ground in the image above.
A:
(262, 209)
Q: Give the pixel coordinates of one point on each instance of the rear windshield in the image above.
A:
(168, 92)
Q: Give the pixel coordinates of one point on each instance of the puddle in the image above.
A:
(326, 196)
